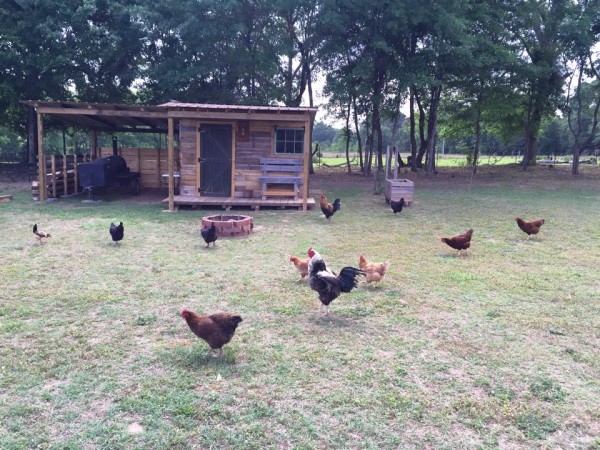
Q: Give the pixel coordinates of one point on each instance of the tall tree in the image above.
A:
(536, 26)
(482, 94)
(357, 53)
(34, 59)
(582, 36)
(211, 51)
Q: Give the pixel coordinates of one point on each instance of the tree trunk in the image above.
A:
(368, 148)
(347, 131)
(413, 139)
(532, 129)
(575, 167)
(477, 138)
(436, 93)
(311, 167)
(423, 141)
(358, 138)
(378, 136)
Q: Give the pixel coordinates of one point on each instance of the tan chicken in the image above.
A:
(374, 271)
(301, 265)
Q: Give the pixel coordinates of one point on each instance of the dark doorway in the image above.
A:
(215, 160)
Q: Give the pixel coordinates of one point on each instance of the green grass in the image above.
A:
(447, 352)
(447, 160)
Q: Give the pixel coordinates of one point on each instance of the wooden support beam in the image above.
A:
(307, 155)
(94, 150)
(170, 143)
(41, 158)
(233, 146)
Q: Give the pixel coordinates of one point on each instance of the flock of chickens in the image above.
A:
(218, 329)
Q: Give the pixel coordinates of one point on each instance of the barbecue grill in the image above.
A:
(110, 171)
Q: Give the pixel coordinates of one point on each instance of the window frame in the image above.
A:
(294, 143)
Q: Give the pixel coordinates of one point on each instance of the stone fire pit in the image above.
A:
(229, 225)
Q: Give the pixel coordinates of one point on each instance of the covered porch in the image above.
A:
(224, 144)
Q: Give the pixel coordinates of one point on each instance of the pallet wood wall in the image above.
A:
(150, 162)
(247, 156)
(188, 135)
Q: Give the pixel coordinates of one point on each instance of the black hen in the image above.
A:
(209, 234)
(326, 283)
(117, 231)
(397, 206)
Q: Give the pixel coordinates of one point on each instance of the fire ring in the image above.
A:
(229, 225)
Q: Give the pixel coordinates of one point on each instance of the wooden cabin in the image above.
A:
(216, 155)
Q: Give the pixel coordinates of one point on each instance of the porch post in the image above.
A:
(171, 128)
(41, 159)
(307, 155)
(94, 146)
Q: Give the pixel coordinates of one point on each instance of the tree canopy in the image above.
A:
(475, 67)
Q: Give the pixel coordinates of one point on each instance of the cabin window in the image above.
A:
(289, 141)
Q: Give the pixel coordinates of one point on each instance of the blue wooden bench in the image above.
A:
(282, 177)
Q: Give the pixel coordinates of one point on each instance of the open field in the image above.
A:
(447, 160)
(497, 349)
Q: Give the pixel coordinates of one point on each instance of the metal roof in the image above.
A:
(247, 108)
(113, 117)
(109, 117)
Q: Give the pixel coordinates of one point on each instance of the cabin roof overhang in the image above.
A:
(113, 117)
(106, 117)
(238, 112)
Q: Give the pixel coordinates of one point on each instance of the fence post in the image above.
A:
(75, 178)
(65, 176)
(53, 173)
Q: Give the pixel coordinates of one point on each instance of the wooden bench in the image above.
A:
(282, 177)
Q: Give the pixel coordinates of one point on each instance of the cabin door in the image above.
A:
(215, 160)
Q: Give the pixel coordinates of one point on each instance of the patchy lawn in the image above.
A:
(497, 349)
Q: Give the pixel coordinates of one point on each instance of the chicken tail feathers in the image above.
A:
(336, 204)
(385, 267)
(348, 279)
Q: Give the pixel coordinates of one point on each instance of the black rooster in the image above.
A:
(397, 206)
(117, 231)
(329, 209)
(326, 283)
(209, 234)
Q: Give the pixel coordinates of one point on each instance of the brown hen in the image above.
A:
(216, 329)
(459, 242)
(531, 227)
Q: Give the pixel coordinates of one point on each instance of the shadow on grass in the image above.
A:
(333, 319)
(197, 356)
(447, 255)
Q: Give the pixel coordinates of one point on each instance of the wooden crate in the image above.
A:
(400, 188)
